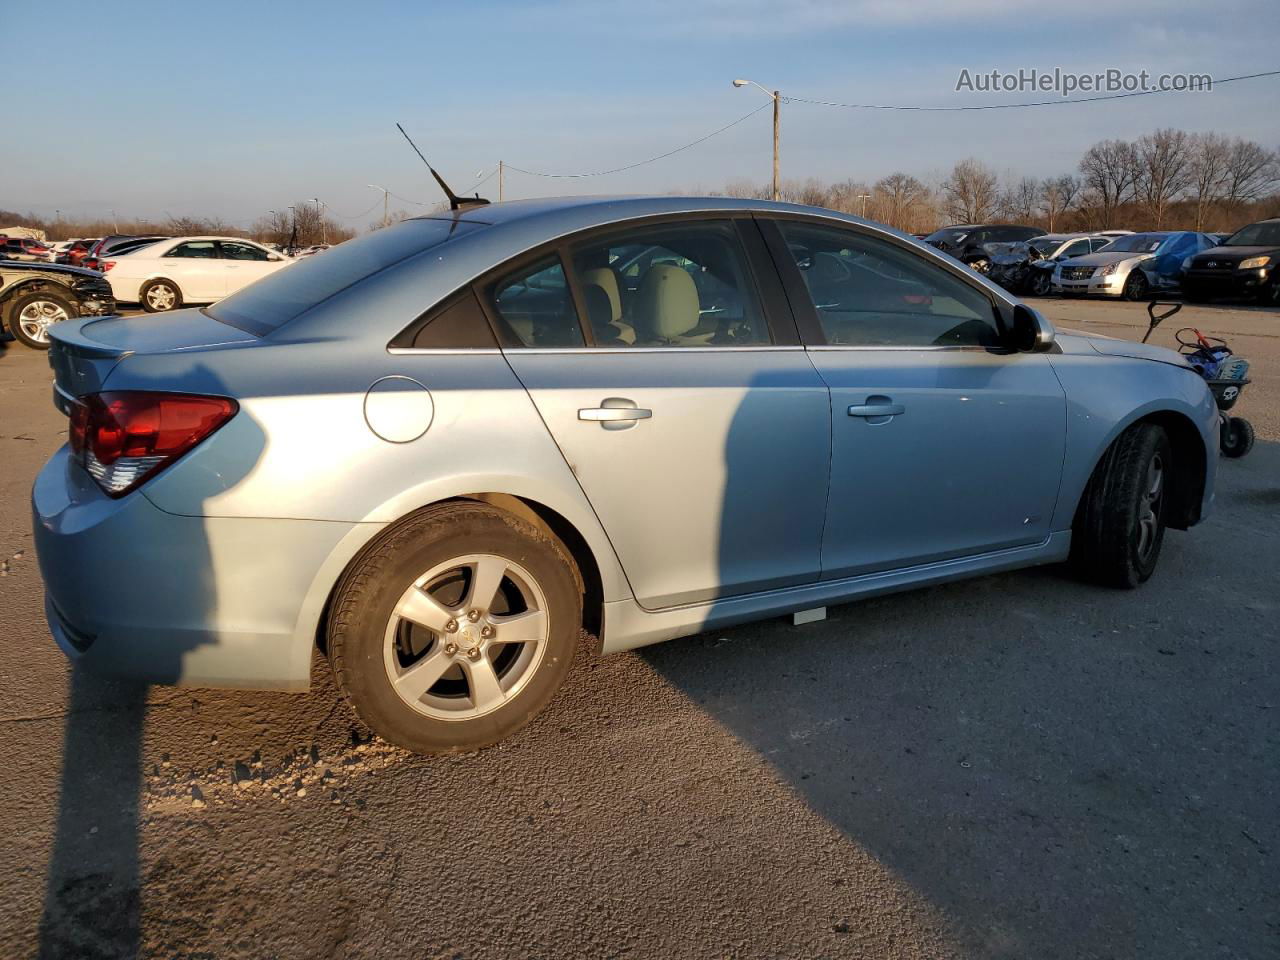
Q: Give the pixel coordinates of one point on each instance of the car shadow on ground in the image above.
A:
(1063, 770)
(93, 891)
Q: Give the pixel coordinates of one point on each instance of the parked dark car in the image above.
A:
(968, 242)
(115, 245)
(1245, 265)
(33, 296)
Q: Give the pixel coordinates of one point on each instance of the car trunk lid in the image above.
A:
(84, 351)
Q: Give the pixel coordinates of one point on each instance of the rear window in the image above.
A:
(282, 296)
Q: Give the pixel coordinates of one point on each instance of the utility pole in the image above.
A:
(500, 166)
(776, 119)
(864, 197)
(776, 97)
(115, 220)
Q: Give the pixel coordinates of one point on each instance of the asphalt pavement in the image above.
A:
(1019, 766)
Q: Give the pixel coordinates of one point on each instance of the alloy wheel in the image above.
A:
(466, 637)
(1149, 510)
(37, 316)
(161, 297)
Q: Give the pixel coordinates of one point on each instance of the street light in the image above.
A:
(864, 197)
(385, 194)
(777, 99)
(324, 227)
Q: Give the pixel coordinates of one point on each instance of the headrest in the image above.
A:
(606, 280)
(667, 302)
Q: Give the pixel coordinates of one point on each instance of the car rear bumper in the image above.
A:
(133, 591)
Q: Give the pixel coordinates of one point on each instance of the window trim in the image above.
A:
(806, 313)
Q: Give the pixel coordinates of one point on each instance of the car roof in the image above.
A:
(592, 210)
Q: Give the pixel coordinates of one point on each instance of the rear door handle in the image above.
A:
(877, 407)
(615, 413)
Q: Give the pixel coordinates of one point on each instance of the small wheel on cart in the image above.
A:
(1237, 437)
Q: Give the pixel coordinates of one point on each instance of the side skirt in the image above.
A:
(627, 625)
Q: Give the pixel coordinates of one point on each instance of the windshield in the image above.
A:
(1266, 234)
(948, 235)
(295, 288)
(1137, 243)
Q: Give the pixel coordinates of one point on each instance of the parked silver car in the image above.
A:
(444, 451)
(1133, 266)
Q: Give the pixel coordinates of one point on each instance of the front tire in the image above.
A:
(1041, 283)
(455, 629)
(160, 296)
(1119, 525)
(1136, 287)
(33, 314)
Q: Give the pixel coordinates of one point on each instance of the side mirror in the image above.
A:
(275, 257)
(1032, 333)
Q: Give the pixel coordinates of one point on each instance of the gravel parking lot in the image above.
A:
(1019, 766)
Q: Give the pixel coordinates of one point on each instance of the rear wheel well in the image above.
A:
(1186, 480)
(586, 571)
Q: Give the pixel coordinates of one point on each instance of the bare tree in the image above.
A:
(1162, 171)
(1107, 169)
(971, 193)
(1021, 200)
(1251, 170)
(1210, 153)
(1057, 195)
(898, 200)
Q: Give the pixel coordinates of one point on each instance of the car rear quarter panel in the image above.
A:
(1105, 395)
(304, 405)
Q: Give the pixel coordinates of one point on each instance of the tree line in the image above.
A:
(1169, 179)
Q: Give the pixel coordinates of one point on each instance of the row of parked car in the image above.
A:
(90, 277)
(1120, 263)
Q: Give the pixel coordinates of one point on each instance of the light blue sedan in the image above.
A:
(441, 453)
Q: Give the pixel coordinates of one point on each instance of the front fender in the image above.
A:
(1108, 394)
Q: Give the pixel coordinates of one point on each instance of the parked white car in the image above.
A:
(183, 270)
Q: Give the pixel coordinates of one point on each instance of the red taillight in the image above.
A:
(106, 265)
(122, 438)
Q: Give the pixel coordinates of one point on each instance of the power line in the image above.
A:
(640, 163)
(1016, 106)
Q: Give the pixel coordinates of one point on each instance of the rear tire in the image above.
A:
(160, 296)
(1119, 525)
(453, 685)
(1236, 438)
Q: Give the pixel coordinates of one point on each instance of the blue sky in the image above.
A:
(232, 108)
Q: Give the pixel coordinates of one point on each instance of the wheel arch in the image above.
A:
(587, 568)
(1190, 465)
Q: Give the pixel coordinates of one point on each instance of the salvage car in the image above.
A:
(34, 296)
(1027, 266)
(1133, 266)
(446, 452)
(1247, 264)
(970, 243)
(164, 275)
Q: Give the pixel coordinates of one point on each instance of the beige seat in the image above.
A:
(666, 306)
(607, 280)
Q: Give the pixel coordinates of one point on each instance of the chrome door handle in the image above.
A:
(615, 413)
(885, 409)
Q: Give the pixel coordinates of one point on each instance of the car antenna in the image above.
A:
(455, 202)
